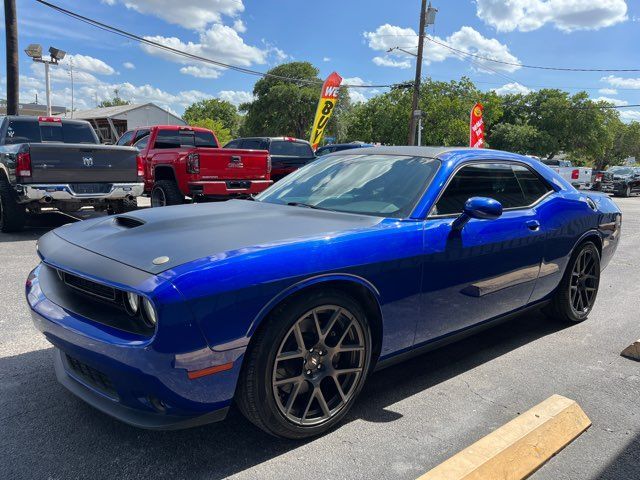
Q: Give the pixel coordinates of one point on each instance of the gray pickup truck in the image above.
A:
(49, 162)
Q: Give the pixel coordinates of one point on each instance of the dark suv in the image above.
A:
(287, 153)
(621, 181)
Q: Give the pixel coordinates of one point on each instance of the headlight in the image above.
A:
(133, 303)
(149, 312)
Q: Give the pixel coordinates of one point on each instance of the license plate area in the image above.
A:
(90, 188)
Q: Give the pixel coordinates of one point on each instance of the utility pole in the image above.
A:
(427, 17)
(11, 35)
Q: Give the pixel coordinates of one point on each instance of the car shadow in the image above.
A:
(38, 225)
(48, 433)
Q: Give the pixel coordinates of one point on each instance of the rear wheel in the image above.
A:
(307, 366)
(166, 192)
(576, 294)
(13, 216)
(627, 191)
(122, 206)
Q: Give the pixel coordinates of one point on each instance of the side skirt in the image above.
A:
(439, 342)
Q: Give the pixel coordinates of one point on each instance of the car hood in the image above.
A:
(189, 232)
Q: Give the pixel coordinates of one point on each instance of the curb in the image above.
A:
(518, 448)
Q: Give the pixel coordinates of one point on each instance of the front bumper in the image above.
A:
(66, 192)
(616, 188)
(142, 381)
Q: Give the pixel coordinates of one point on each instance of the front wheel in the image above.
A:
(306, 367)
(627, 192)
(576, 294)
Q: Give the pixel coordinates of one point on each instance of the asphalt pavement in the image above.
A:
(409, 418)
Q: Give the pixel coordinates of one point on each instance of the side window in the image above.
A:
(126, 138)
(140, 134)
(142, 143)
(494, 180)
(533, 187)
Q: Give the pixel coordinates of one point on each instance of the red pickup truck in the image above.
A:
(184, 162)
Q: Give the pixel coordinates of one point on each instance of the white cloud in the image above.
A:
(608, 91)
(512, 88)
(220, 42)
(239, 26)
(621, 82)
(613, 101)
(565, 15)
(235, 96)
(355, 94)
(630, 115)
(193, 14)
(60, 74)
(87, 64)
(390, 62)
(129, 65)
(466, 39)
(326, 59)
(201, 72)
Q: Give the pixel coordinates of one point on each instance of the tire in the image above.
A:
(315, 367)
(122, 206)
(166, 192)
(627, 192)
(565, 304)
(13, 216)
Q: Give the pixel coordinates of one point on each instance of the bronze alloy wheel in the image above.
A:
(318, 365)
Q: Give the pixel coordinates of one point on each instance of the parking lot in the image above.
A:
(409, 418)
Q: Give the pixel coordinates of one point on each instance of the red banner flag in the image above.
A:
(476, 127)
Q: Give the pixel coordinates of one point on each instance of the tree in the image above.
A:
(115, 101)
(221, 131)
(214, 109)
(283, 107)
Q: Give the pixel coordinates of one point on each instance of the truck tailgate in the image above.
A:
(79, 162)
(226, 163)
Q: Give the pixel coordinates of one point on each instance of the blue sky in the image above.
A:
(350, 37)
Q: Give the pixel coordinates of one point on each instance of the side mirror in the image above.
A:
(482, 208)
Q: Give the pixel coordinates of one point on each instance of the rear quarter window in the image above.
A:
(290, 149)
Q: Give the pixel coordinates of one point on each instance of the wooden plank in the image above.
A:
(517, 449)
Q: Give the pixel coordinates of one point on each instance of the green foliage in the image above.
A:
(222, 132)
(214, 109)
(282, 107)
(116, 101)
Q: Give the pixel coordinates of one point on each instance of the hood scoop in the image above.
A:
(128, 222)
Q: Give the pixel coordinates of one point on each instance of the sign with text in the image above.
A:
(327, 103)
(476, 127)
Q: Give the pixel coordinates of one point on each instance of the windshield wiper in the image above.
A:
(306, 205)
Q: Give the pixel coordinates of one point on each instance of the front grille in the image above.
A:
(93, 377)
(89, 287)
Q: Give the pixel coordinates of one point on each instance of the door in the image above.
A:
(490, 267)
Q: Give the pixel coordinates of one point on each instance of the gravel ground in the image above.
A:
(409, 418)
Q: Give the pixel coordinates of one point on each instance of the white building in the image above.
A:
(111, 122)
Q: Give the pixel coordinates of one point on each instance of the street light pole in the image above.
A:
(47, 82)
(35, 52)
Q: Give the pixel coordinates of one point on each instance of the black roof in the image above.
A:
(31, 118)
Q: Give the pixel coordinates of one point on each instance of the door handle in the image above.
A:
(533, 225)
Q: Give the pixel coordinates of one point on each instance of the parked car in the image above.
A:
(284, 305)
(338, 147)
(579, 177)
(287, 153)
(621, 181)
(59, 163)
(184, 162)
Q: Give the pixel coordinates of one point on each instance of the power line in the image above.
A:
(538, 67)
(132, 36)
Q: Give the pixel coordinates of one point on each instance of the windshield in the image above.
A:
(379, 185)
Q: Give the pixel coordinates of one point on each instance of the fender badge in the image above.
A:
(160, 260)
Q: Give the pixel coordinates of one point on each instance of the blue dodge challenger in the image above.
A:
(284, 304)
